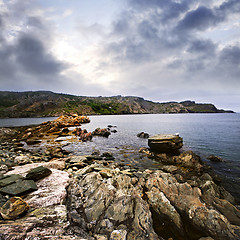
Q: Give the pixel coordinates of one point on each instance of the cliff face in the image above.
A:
(45, 103)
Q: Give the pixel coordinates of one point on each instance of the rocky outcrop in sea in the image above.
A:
(96, 197)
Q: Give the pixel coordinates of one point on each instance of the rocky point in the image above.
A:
(67, 196)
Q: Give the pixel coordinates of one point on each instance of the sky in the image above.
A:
(161, 50)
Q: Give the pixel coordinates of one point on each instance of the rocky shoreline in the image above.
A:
(95, 197)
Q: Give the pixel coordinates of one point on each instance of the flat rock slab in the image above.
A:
(20, 187)
(165, 143)
(9, 179)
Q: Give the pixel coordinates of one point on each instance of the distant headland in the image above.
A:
(47, 103)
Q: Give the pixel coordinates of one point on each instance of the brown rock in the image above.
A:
(14, 207)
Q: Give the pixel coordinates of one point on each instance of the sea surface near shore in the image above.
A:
(205, 134)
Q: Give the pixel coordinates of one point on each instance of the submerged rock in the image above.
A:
(162, 143)
(214, 158)
(14, 207)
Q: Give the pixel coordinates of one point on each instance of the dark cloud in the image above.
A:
(25, 43)
(147, 31)
(35, 22)
(199, 19)
(33, 57)
(231, 56)
(202, 46)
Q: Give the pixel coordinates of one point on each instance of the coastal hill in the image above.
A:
(46, 103)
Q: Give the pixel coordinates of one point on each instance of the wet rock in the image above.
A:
(9, 179)
(214, 158)
(14, 207)
(165, 143)
(38, 173)
(143, 135)
(18, 188)
(101, 132)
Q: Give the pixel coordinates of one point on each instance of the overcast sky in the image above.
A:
(162, 50)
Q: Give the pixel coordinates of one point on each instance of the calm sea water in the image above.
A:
(205, 134)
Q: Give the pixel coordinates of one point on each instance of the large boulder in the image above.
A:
(163, 143)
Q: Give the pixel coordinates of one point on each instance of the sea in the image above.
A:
(205, 134)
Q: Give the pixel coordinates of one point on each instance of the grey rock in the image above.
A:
(18, 188)
(9, 179)
(38, 173)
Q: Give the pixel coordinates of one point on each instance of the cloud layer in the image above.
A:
(161, 50)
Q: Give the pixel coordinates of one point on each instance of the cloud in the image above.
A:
(25, 50)
(32, 56)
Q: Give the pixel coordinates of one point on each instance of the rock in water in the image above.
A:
(214, 158)
(14, 207)
(18, 188)
(162, 143)
(143, 135)
(38, 173)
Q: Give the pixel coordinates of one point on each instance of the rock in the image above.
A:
(143, 135)
(9, 179)
(228, 210)
(118, 235)
(190, 160)
(51, 190)
(108, 203)
(85, 136)
(165, 213)
(101, 132)
(21, 160)
(14, 207)
(38, 173)
(165, 143)
(42, 223)
(18, 188)
(214, 158)
(199, 219)
(3, 168)
(3, 200)
(206, 238)
(33, 141)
